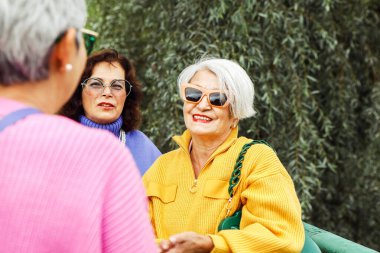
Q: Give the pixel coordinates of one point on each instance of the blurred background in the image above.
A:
(316, 69)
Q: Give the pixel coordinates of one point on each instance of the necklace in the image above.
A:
(123, 136)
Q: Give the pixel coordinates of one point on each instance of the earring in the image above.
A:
(68, 67)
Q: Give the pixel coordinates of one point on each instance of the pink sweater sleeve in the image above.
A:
(126, 226)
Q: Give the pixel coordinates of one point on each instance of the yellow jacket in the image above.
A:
(271, 218)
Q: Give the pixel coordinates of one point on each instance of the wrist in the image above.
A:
(209, 244)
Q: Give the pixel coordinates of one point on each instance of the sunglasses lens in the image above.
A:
(192, 94)
(89, 41)
(218, 99)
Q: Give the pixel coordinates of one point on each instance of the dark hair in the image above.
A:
(131, 113)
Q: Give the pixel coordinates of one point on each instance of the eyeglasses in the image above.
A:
(89, 38)
(194, 94)
(96, 86)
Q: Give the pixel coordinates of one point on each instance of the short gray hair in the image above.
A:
(28, 30)
(233, 79)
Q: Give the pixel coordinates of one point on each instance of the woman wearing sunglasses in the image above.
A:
(188, 188)
(109, 97)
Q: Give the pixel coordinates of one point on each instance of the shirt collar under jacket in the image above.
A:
(184, 141)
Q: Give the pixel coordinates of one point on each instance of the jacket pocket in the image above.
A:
(216, 189)
(166, 193)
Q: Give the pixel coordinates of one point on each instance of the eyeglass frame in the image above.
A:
(205, 92)
(84, 84)
(89, 38)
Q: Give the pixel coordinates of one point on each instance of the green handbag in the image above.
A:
(233, 221)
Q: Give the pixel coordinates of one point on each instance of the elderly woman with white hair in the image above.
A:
(63, 187)
(194, 188)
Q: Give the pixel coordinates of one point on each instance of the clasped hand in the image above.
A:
(187, 242)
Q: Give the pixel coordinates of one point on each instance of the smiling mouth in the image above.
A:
(200, 118)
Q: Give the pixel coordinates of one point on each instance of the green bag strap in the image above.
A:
(309, 245)
(235, 176)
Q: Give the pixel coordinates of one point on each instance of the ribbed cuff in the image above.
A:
(220, 245)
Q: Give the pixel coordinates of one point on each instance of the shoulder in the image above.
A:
(138, 136)
(166, 164)
(137, 139)
(72, 136)
(171, 156)
(70, 129)
(68, 145)
(258, 148)
(260, 158)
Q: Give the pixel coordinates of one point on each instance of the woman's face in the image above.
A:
(203, 119)
(105, 106)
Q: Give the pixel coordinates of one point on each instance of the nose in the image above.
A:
(107, 91)
(204, 104)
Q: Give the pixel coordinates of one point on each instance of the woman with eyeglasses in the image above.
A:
(63, 187)
(109, 97)
(189, 189)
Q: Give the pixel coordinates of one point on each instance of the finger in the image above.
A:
(181, 237)
(165, 245)
(173, 239)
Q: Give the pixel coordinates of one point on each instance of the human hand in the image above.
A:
(187, 242)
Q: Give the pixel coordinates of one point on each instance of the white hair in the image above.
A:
(28, 30)
(233, 79)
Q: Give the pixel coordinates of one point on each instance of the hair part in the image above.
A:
(233, 79)
(131, 113)
(28, 30)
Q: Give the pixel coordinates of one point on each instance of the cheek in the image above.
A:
(87, 101)
(225, 116)
(120, 103)
(187, 108)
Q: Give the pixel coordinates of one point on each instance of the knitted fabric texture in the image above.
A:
(142, 148)
(113, 127)
(271, 218)
(68, 188)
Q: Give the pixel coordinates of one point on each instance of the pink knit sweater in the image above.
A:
(68, 188)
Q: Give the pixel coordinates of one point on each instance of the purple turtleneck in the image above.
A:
(113, 127)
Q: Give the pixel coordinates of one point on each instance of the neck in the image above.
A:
(203, 148)
(40, 95)
(113, 127)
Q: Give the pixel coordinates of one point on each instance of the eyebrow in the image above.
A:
(101, 79)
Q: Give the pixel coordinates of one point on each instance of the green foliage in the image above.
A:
(315, 65)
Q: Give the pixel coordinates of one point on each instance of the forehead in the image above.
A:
(205, 79)
(106, 70)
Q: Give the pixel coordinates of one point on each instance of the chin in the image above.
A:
(201, 132)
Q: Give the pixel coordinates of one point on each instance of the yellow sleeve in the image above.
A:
(150, 206)
(271, 218)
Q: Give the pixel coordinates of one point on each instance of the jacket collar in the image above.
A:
(184, 141)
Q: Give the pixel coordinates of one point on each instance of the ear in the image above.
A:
(64, 52)
(235, 122)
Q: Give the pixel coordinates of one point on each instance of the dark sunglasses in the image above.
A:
(89, 38)
(194, 94)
